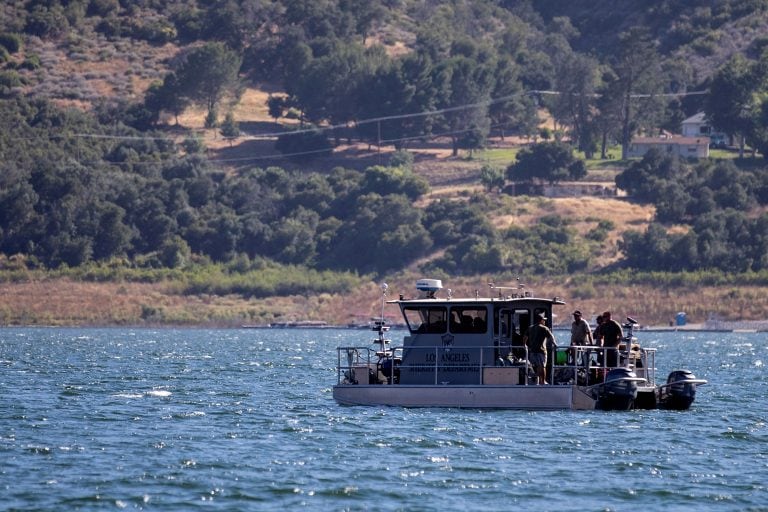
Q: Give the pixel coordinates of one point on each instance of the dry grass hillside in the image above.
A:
(63, 302)
(92, 69)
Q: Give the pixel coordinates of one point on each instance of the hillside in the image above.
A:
(112, 52)
(128, 166)
(701, 35)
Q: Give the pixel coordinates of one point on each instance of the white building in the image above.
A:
(696, 126)
(686, 147)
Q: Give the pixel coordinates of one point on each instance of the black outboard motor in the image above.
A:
(680, 390)
(619, 390)
(390, 369)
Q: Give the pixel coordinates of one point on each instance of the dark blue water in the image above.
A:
(112, 419)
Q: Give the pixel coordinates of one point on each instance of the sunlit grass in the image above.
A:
(498, 157)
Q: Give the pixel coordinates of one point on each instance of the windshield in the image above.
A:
(426, 319)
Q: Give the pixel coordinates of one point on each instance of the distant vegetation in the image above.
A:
(104, 183)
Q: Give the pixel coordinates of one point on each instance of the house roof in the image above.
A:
(699, 118)
(680, 141)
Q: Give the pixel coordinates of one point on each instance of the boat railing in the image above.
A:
(359, 365)
(582, 365)
(588, 364)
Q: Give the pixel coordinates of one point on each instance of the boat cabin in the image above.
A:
(460, 337)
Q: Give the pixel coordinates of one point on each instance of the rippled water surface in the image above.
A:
(244, 420)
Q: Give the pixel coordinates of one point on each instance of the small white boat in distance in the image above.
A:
(470, 353)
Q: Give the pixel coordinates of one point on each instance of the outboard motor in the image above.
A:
(390, 369)
(619, 390)
(680, 390)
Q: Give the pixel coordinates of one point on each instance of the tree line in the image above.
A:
(67, 200)
(715, 198)
(109, 185)
(471, 69)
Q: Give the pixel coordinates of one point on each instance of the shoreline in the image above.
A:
(227, 326)
(62, 302)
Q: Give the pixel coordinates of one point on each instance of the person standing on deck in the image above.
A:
(612, 335)
(597, 335)
(581, 334)
(538, 336)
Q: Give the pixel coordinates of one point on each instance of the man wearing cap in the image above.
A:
(538, 336)
(581, 334)
(612, 335)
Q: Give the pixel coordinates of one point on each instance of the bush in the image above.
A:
(47, 22)
(103, 8)
(11, 42)
(304, 145)
(193, 144)
(401, 158)
(9, 80)
(31, 63)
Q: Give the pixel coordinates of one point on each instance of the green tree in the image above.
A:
(229, 128)
(638, 81)
(328, 87)
(166, 96)
(304, 144)
(464, 85)
(175, 253)
(366, 14)
(643, 179)
(381, 234)
(511, 110)
(491, 177)
(112, 236)
(208, 72)
(732, 102)
(393, 180)
(292, 238)
(276, 106)
(449, 222)
(394, 92)
(239, 23)
(576, 81)
(547, 162)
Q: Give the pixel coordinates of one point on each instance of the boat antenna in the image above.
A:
(384, 288)
(380, 325)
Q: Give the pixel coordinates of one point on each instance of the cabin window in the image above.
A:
(522, 320)
(469, 320)
(430, 319)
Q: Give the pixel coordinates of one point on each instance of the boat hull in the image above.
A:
(480, 397)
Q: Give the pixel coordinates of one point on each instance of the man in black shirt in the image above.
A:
(612, 335)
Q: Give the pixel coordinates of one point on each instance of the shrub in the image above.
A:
(193, 144)
(45, 22)
(9, 80)
(11, 42)
(304, 145)
(31, 63)
(103, 8)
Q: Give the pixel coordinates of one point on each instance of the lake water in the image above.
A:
(186, 419)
